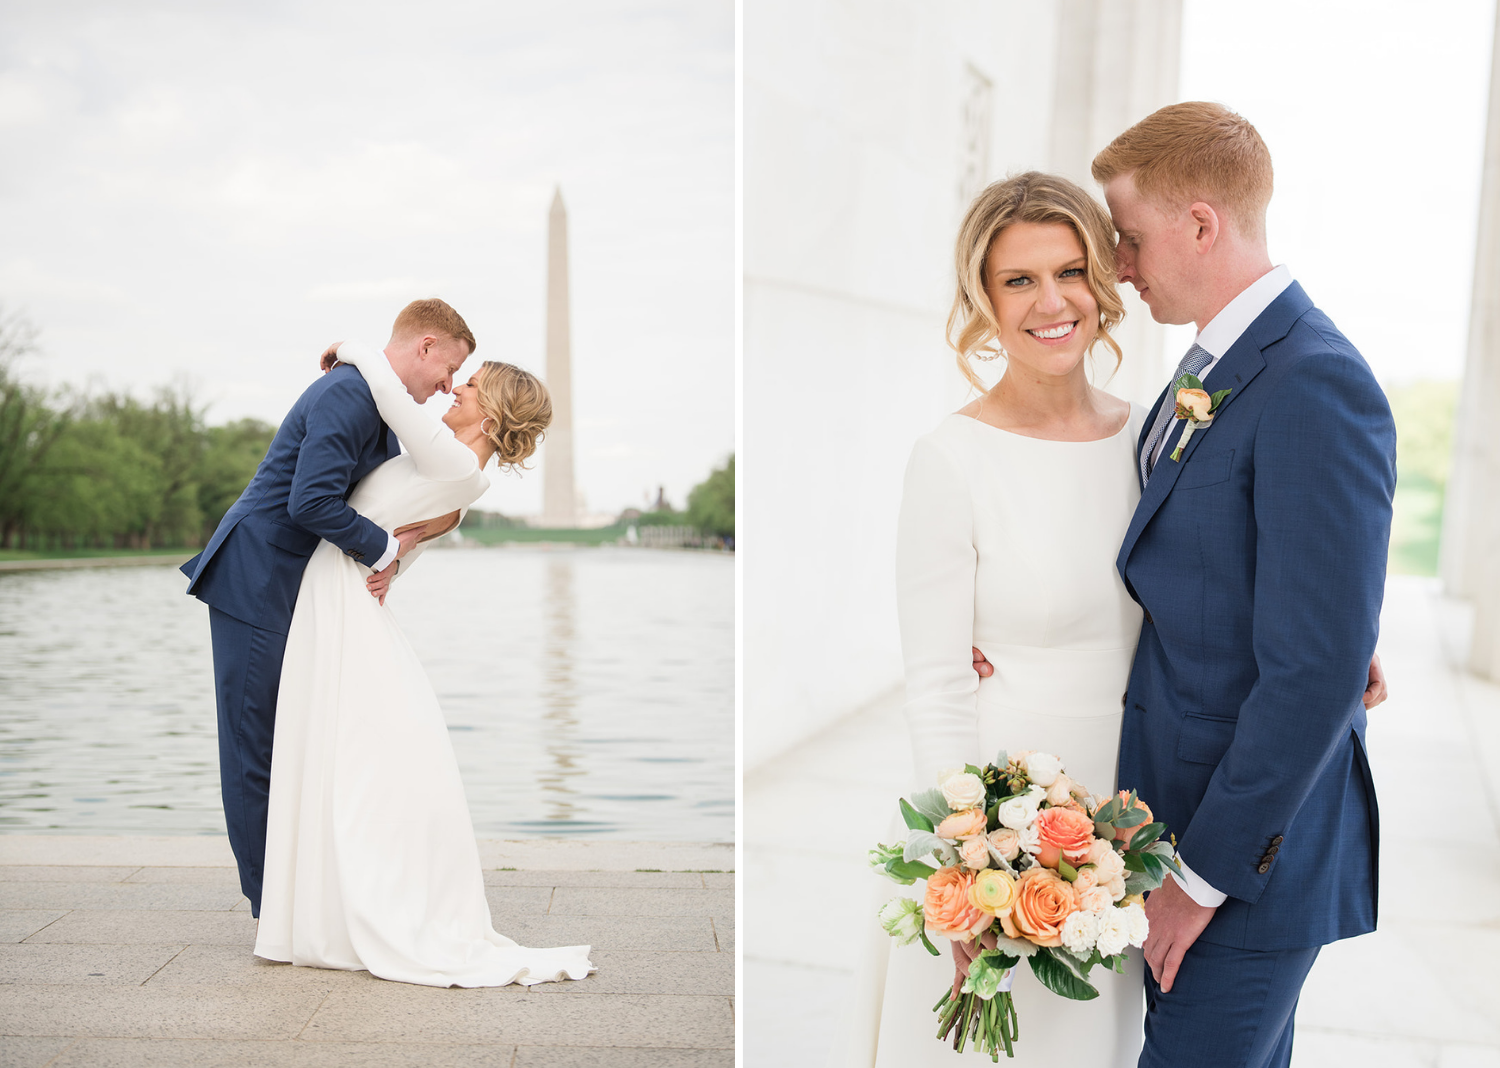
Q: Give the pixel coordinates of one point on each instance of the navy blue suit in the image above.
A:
(251, 570)
(1260, 561)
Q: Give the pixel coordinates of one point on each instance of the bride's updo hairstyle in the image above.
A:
(1032, 197)
(517, 410)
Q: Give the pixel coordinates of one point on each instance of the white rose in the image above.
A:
(1139, 926)
(1043, 768)
(1060, 792)
(1114, 932)
(1020, 811)
(1080, 931)
(961, 789)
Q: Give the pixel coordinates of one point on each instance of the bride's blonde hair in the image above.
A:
(517, 411)
(1032, 197)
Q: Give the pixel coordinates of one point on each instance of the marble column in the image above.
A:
(1470, 562)
(559, 494)
(1116, 64)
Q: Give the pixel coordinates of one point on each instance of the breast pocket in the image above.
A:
(1207, 470)
(1202, 740)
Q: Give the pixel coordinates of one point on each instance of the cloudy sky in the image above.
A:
(1374, 111)
(212, 193)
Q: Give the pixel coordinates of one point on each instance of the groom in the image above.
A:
(1259, 558)
(250, 571)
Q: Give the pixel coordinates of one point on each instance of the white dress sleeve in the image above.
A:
(439, 456)
(935, 564)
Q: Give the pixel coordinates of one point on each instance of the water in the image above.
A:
(588, 692)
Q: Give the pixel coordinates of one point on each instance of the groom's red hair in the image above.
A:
(432, 316)
(1195, 151)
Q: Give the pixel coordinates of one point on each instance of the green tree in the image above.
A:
(29, 427)
(232, 454)
(711, 503)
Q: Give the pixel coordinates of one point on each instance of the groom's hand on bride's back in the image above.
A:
(982, 667)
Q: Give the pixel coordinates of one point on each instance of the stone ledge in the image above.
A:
(212, 851)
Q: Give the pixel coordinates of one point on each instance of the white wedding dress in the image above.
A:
(1008, 543)
(371, 861)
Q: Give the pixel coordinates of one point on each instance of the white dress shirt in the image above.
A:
(1222, 331)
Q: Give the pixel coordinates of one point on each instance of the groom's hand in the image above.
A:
(330, 357)
(1176, 922)
(1376, 691)
(982, 667)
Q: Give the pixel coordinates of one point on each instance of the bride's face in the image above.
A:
(1037, 281)
(465, 410)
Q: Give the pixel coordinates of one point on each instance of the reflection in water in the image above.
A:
(560, 695)
(588, 692)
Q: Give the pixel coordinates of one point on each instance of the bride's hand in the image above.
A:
(330, 358)
(964, 954)
(379, 583)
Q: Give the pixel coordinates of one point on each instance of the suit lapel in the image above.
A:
(1244, 360)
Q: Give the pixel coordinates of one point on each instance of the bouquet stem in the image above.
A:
(991, 1024)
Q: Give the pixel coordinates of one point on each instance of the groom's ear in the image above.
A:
(1206, 225)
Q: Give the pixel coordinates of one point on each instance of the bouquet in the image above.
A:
(1028, 859)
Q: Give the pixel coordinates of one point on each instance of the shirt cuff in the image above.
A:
(390, 554)
(1196, 888)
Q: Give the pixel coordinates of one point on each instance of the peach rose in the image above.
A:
(975, 853)
(1094, 899)
(1125, 834)
(1086, 880)
(1196, 401)
(1006, 842)
(1108, 865)
(1063, 833)
(1116, 888)
(963, 824)
(947, 907)
(1043, 903)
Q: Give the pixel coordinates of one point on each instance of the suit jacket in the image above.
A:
(332, 437)
(1260, 561)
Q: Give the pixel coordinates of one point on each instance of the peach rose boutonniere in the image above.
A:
(1196, 405)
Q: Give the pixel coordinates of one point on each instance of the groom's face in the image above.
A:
(438, 360)
(1155, 253)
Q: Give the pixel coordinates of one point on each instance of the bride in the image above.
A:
(371, 861)
(1013, 511)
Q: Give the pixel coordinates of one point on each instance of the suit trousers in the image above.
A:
(1230, 1008)
(247, 674)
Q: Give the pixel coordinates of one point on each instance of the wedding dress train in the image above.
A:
(371, 861)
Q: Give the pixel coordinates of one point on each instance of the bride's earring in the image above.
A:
(482, 430)
(988, 356)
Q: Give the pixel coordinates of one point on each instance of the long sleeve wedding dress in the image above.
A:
(1008, 543)
(371, 861)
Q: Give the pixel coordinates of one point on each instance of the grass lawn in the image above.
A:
(532, 535)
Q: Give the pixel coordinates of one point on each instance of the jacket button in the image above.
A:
(1148, 616)
(1277, 840)
(1271, 852)
(1265, 866)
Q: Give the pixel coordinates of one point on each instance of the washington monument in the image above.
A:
(559, 498)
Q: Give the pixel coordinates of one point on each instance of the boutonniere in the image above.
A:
(1196, 406)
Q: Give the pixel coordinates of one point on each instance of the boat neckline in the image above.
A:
(1053, 441)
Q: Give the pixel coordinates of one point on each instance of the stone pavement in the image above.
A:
(136, 952)
(1423, 990)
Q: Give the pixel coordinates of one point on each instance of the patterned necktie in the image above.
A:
(1195, 360)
